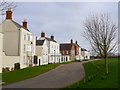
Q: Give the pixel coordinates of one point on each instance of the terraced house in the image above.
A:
(42, 52)
(18, 43)
(53, 54)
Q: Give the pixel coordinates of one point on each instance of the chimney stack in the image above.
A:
(76, 42)
(25, 23)
(71, 41)
(52, 37)
(42, 34)
(9, 14)
(36, 38)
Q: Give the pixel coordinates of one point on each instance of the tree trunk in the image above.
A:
(106, 65)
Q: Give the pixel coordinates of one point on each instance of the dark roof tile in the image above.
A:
(18, 25)
(49, 39)
(40, 42)
(82, 49)
(65, 46)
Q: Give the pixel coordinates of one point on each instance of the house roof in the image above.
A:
(49, 39)
(65, 46)
(40, 42)
(82, 49)
(18, 25)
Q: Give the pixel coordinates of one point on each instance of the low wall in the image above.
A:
(9, 61)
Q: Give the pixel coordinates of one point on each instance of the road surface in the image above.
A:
(59, 77)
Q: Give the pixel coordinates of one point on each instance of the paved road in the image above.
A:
(62, 76)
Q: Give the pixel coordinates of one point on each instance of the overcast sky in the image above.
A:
(63, 20)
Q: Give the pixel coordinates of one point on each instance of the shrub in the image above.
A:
(16, 66)
(6, 69)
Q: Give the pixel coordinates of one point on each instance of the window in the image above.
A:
(66, 52)
(31, 38)
(24, 37)
(63, 52)
(24, 60)
(28, 38)
(24, 47)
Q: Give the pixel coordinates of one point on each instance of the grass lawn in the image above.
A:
(19, 75)
(95, 76)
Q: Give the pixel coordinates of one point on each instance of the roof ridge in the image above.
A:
(19, 25)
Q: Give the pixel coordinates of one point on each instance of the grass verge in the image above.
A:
(95, 76)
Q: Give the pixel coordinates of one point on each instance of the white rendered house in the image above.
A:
(1, 50)
(18, 43)
(85, 54)
(54, 55)
(42, 52)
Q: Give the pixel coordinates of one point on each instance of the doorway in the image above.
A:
(39, 62)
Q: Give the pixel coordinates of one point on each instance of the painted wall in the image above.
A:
(42, 53)
(11, 38)
(1, 50)
(54, 52)
(27, 48)
(9, 61)
(85, 55)
(65, 58)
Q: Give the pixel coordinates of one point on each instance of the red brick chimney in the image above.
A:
(42, 34)
(25, 23)
(9, 14)
(52, 37)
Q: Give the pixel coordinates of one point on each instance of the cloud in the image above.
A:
(63, 20)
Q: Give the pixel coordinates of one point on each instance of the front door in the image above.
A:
(39, 62)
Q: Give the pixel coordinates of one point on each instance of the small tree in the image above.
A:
(4, 5)
(35, 60)
(100, 31)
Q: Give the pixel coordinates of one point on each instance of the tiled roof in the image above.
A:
(18, 25)
(40, 42)
(65, 46)
(82, 49)
(49, 39)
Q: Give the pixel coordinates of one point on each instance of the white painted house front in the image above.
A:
(1, 50)
(54, 55)
(18, 43)
(42, 52)
(85, 54)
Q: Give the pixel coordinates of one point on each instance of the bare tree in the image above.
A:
(4, 5)
(100, 31)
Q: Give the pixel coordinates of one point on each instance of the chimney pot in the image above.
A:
(52, 37)
(76, 42)
(25, 23)
(42, 34)
(71, 41)
(9, 14)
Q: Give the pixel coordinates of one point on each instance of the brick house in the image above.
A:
(69, 51)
